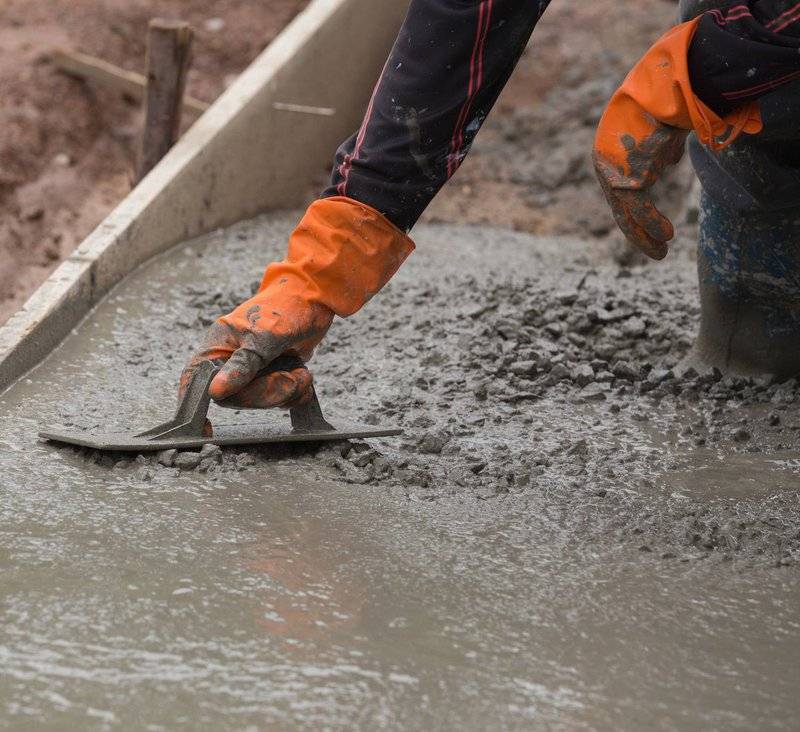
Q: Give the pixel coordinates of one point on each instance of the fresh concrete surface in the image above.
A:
(507, 565)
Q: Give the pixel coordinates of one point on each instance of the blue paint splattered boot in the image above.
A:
(749, 277)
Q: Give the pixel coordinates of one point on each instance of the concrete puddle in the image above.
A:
(738, 476)
(288, 590)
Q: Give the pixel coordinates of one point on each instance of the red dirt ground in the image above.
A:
(67, 148)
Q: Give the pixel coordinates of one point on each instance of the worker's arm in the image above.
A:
(340, 254)
(449, 63)
(705, 75)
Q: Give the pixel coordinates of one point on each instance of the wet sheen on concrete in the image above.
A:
(278, 595)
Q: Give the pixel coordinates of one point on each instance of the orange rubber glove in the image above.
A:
(339, 256)
(644, 129)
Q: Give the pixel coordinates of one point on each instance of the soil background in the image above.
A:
(68, 148)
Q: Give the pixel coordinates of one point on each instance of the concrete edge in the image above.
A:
(240, 158)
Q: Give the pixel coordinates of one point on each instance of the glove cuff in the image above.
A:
(657, 93)
(341, 253)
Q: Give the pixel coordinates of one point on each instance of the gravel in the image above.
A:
(497, 373)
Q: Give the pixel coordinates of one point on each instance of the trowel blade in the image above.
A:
(224, 435)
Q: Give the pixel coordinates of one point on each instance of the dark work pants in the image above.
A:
(449, 64)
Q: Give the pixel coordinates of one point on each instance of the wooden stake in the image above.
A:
(169, 45)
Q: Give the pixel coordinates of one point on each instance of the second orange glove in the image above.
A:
(643, 130)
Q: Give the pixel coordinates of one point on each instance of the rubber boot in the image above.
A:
(749, 277)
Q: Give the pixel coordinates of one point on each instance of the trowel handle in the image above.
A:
(283, 363)
(190, 417)
(307, 417)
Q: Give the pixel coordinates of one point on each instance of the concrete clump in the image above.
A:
(494, 387)
(167, 457)
(209, 459)
(512, 364)
(432, 443)
(583, 374)
(187, 460)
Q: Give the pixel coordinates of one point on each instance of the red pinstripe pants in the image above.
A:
(448, 65)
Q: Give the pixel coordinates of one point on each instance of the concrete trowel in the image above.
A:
(185, 430)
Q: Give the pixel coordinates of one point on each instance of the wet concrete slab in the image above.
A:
(304, 589)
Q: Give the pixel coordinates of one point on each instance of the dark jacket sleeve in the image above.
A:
(745, 51)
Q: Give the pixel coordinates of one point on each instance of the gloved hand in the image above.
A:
(339, 256)
(644, 129)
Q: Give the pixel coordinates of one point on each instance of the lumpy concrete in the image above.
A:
(571, 535)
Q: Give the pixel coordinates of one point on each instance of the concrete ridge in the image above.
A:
(227, 167)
